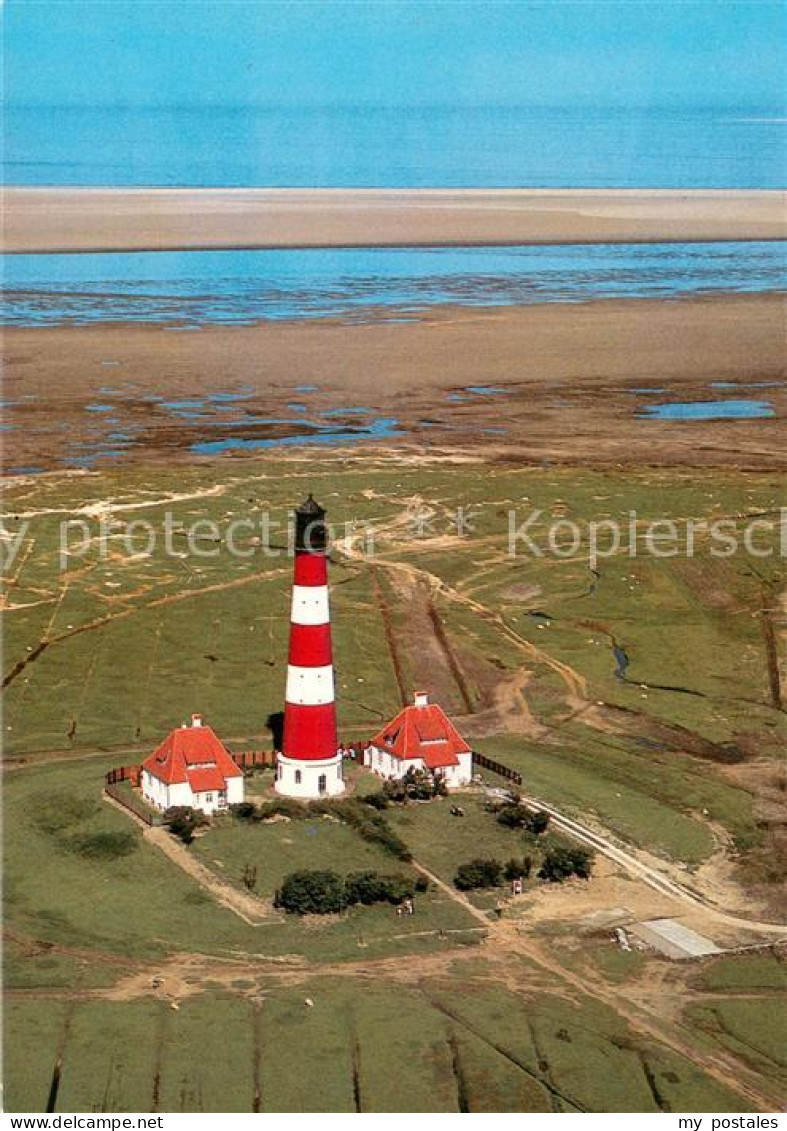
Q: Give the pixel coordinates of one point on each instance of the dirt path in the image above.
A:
(576, 686)
(246, 906)
(648, 874)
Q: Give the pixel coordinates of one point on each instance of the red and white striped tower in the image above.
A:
(309, 765)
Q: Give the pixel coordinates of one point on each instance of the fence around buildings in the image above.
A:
(124, 773)
(496, 768)
(131, 802)
(115, 778)
(249, 759)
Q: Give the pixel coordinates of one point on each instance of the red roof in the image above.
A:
(193, 754)
(425, 732)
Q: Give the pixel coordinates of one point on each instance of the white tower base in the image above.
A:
(296, 777)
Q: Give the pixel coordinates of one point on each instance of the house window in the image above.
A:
(297, 777)
(209, 798)
(322, 783)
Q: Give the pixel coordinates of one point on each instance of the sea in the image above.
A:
(189, 289)
(396, 146)
(357, 146)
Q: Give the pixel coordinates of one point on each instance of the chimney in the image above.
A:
(421, 699)
(196, 720)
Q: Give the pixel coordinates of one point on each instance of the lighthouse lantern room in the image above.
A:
(309, 765)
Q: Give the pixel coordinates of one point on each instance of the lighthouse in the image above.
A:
(309, 765)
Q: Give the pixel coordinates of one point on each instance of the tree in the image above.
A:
(518, 869)
(479, 873)
(515, 815)
(311, 893)
(182, 821)
(512, 816)
(539, 822)
(364, 887)
(563, 860)
(373, 887)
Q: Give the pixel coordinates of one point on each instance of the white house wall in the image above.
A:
(235, 790)
(163, 796)
(387, 766)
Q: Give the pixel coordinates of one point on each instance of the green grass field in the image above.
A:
(135, 640)
(142, 906)
(744, 972)
(753, 1028)
(459, 1045)
(104, 658)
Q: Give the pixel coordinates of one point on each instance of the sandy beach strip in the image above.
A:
(121, 219)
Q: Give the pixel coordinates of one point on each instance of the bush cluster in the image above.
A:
(515, 815)
(323, 892)
(311, 893)
(370, 825)
(182, 821)
(416, 785)
(374, 887)
(561, 861)
(479, 873)
(276, 807)
(518, 869)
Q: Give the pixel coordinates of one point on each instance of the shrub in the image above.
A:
(182, 820)
(371, 826)
(377, 800)
(421, 883)
(373, 887)
(398, 888)
(363, 887)
(539, 822)
(512, 816)
(103, 846)
(283, 807)
(311, 893)
(478, 873)
(244, 811)
(515, 815)
(518, 869)
(416, 785)
(563, 860)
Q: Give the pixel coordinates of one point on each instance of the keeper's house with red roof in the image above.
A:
(192, 767)
(421, 737)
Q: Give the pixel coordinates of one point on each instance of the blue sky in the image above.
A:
(396, 52)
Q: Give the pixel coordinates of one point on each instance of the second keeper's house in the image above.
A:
(192, 767)
(421, 737)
